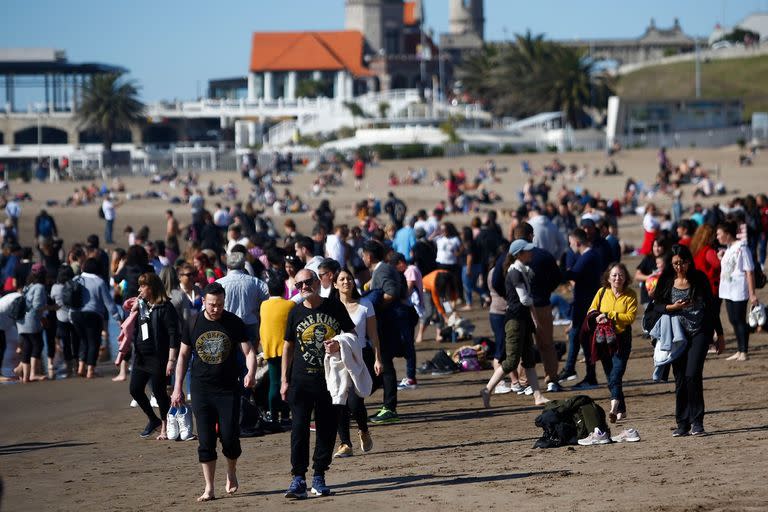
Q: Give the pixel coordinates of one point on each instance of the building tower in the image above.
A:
(380, 22)
(466, 17)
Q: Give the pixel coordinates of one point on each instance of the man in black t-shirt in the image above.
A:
(309, 333)
(214, 338)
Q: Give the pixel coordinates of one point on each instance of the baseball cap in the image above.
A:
(587, 223)
(519, 246)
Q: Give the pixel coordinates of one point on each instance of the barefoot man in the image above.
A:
(214, 338)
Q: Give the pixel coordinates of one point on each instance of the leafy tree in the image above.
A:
(110, 104)
(532, 75)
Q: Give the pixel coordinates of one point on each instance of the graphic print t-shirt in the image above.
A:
(215, 344)
(308, 329)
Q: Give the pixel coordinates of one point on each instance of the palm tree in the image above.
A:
(532, 75)
(110, 104)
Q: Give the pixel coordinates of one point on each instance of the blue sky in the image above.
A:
(172, 47)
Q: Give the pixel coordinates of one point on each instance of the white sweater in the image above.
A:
(345, 369)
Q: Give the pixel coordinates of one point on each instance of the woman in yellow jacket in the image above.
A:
(617, 304)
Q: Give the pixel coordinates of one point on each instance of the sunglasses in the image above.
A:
(306, 282)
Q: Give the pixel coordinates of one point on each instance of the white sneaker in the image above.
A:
(153, 402)
(172, 425)
(184, 419)
(629, 435)
(517, 388)
(134, 403)
(501, 388)
(406, 383)
(527, 391)
(596, 437)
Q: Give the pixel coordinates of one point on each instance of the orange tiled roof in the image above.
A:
(308, 51)
(409, 13)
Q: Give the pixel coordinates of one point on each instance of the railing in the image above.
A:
(691, 138)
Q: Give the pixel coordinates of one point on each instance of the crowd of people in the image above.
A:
(304, 327)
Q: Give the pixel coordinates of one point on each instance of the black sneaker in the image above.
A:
(680, 432)
(698, 430)
(566, 375)
(151, 427)
(585, 385)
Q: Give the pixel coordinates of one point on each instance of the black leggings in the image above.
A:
(50, 337)
(303, 400)
(689, 385)
(210, 409)
(70, 342)
(139, 379)
(88, 326)
(355, 405)
(31, 346)
(737, 315)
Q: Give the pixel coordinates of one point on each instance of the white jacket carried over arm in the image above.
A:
(345, 369)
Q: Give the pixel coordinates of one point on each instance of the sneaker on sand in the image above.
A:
(172, 425)
(318, 486)
(680, 432)
(298, 488)
(486, 396)
(566, 376)
(134, 403)
(596, 437)
(151, 427)
(385, 416)
(343, 452)
(153, 402)
(366, 442)
(585, 385)
(406, 383)
(554, 387)
(698, 430)
(629, 435)
(501, 388)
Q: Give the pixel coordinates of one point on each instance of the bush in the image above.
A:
(345, 132)
(385, 151)
(551, 148)
(412, 151)
(479, 150)
(742, 143)
(530, 149)
(508, 149)
(437, 151)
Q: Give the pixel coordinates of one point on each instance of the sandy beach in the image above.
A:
(73, 444)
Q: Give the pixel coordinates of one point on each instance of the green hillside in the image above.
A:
(746, 79)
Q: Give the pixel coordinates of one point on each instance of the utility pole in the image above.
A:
(698, 71)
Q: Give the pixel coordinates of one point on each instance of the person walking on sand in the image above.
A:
(215, 338)
(518, 326)
(108, 211)
(312, 325)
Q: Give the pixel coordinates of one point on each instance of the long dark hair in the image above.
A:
(667, 277)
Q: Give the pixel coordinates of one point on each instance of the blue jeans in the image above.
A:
(108, 225)
(497, 326)
(562, 305)
(761, 248)
(615, 366)
(469, 281)
(573, 346)
(410, 361)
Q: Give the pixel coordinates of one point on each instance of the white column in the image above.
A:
(252, 133)
(290, 86)
(338, 85)
(349, 86)
(251, 86)
(268, 91)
